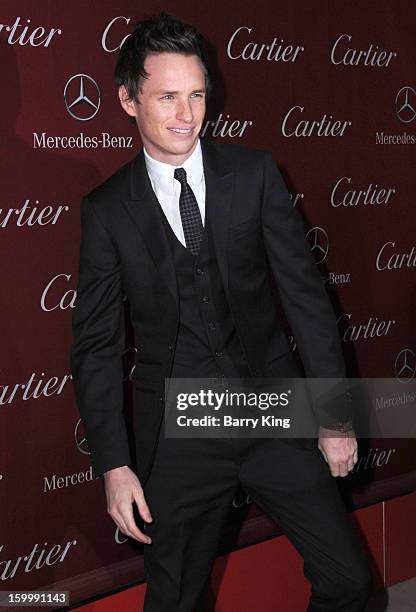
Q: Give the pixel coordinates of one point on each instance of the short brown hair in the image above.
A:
(161, 34)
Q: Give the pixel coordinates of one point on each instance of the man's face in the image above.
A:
(171, 106)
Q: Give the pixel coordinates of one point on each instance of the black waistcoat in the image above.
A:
(207, 343)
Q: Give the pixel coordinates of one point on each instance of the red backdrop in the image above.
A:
(330, 89)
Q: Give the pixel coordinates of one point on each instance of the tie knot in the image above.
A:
(180, 175)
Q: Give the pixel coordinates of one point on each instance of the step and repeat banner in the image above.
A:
(330, 89)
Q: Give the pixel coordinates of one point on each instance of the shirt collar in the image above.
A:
(161, 173)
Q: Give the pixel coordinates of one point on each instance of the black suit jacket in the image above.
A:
(125, 252)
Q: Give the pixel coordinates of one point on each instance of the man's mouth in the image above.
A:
(181, 130)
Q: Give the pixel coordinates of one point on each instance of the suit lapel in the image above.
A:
(143, 207)
(219, 185)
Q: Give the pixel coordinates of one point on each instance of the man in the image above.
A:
(189, 231)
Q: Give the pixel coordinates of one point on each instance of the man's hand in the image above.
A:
(339, 450)
(122, 488)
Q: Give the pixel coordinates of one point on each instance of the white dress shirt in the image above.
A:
(168, 189)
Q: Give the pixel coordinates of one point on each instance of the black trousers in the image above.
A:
(190, 491)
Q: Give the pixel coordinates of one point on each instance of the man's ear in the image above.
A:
(126, 102)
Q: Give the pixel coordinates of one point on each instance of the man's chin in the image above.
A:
(182, 149)
(171, 153)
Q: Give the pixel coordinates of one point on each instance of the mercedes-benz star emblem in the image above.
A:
(320, 243)
(80, 439)
(82, 97)
(406, 104)
(405, 365)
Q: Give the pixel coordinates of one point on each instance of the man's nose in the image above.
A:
(184, 111)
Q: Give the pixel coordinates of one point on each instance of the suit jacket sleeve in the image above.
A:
(96, 354)
(304, 298)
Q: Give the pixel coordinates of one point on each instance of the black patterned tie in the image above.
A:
(190, 215)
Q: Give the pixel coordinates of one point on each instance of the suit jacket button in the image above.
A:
(170, 346)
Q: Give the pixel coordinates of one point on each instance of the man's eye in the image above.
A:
(167, 97)
(197, 95)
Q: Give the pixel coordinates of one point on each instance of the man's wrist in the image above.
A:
(113, 470)
(340, 426)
